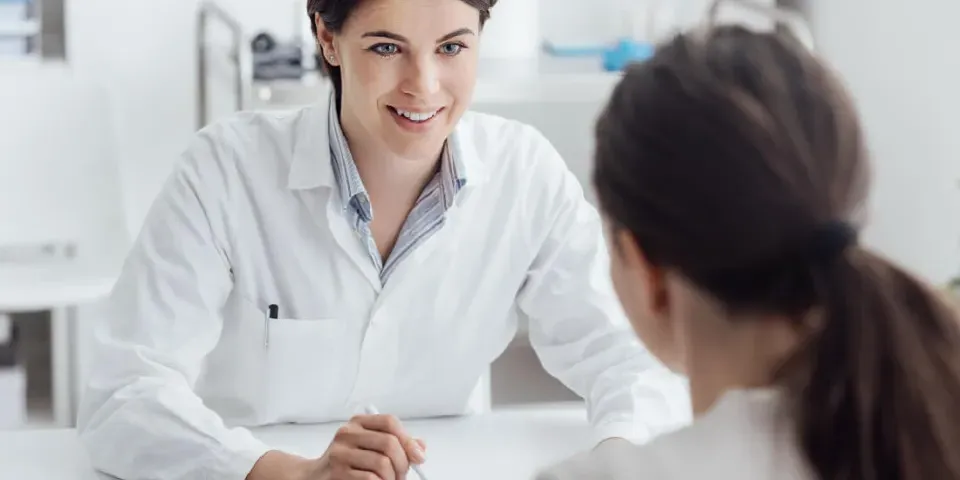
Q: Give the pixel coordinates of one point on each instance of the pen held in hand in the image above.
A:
(372, 410)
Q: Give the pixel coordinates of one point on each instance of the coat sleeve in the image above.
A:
(577, 326)
(139, 417)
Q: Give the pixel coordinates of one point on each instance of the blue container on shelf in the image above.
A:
(626, 52)
(613, 57)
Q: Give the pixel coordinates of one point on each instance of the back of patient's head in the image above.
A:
(736, 160)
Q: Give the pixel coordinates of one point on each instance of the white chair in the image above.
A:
(62, 232)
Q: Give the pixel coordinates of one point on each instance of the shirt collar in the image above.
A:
(344, 168)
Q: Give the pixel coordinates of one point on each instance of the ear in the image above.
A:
(652, 278)
(325, 42)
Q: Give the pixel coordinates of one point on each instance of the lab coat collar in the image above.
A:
(312, 165)
(462, 146)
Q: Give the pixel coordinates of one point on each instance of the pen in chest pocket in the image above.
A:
(272, 312)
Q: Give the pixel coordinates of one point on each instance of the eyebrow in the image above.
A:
(401, 38)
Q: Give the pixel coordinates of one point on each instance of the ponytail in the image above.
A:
(880, 397)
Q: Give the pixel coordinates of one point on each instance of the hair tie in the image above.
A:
(832, 239)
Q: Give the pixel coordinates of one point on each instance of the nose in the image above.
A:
(422, 77)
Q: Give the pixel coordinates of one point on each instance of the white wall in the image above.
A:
(899, 59)
(143, 50)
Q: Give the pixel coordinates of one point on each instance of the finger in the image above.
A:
(390, 424)
(384, 444)
(421, 444)
(358, 461)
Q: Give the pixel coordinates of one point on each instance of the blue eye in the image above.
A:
(385, 49)
(451, 49)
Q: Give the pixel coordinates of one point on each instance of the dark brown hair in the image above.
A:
(737, 159)
(334, 13)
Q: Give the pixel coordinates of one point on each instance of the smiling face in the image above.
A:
(408, 69)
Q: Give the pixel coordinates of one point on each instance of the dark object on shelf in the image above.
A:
(8, 349)
(274, 60)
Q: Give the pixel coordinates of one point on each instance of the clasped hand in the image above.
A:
(374, 447)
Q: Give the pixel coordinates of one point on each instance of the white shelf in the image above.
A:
(26, 28)
(52, 284)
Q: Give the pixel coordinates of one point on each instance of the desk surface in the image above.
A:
(48, 284)
(505, 445)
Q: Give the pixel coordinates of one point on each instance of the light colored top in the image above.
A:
(252, 216)
(744, 437)
(502, 445)
(428, 213)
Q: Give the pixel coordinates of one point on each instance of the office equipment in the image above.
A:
(504, 445)
(13, 379)
(273, 59)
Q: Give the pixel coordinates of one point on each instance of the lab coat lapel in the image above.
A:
(351, 241)
(311, 175)
(414, 261)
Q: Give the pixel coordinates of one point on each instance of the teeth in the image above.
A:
(415, 116)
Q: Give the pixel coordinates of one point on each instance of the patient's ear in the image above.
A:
(644, 291)
(650, 279)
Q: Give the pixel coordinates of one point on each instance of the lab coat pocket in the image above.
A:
(304, 368)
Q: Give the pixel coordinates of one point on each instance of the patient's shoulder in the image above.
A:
(610, 461)
(743, 437)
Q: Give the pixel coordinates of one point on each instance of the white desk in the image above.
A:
(48, 284)
(57, 285)
(503, 445)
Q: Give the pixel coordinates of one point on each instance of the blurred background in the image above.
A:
(98, 98)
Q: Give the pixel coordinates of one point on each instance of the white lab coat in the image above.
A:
(251, 216)
(746, 436)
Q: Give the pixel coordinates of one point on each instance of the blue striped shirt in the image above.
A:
(427, 215)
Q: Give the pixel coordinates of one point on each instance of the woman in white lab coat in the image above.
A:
(374, 248)
(731, 168)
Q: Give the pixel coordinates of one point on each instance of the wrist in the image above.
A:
(277, 465)
(612, 440)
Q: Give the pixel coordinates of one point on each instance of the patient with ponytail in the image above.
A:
(732, 173)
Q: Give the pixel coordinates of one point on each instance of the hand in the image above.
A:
(612, 442)
(373, 447)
